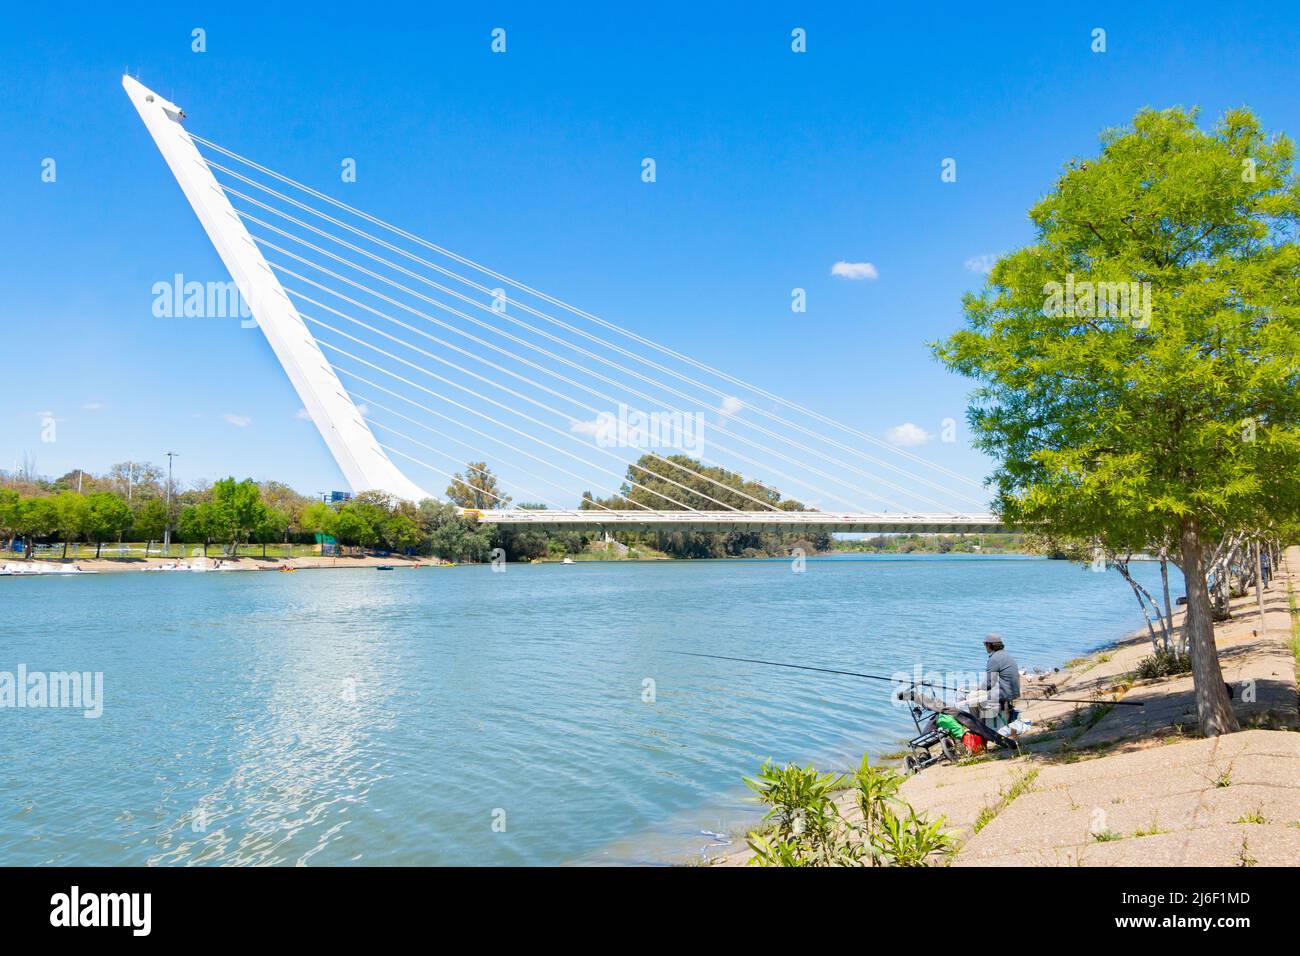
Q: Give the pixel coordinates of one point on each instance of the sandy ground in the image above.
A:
(1136, 786)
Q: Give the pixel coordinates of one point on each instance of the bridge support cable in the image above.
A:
(460, 425)
(616, 366)
(596, 320)
(364, 288)
(505, 352)
(474, 450)
(571, 419)
(515, 411)
(495, 421)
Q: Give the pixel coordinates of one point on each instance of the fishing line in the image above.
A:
(892, 680)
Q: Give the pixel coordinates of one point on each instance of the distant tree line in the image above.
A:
(130, 503)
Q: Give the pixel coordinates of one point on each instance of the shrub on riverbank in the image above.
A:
(1163, 664)
(807, 827)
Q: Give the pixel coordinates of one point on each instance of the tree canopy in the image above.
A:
(1139, 362)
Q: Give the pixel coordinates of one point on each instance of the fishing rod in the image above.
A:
(891, 680)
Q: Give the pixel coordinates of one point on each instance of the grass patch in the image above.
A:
(1021, 785)
(1256, 816)
(1106, 836)
(1153, 829)
(1088, 717)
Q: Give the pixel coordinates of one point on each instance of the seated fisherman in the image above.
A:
(995, 697)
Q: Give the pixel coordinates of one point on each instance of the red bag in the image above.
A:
(973, 742)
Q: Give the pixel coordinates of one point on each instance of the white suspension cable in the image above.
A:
(494, 421)
(570, 418)
(589, 317)
(501, 405)
(524, 342)
(459, 424)
(485, 471)
(349, 263)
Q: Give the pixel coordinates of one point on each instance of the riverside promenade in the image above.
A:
(1100, 785)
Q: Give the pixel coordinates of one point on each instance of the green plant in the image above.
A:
(1088, 717)
(1153, 830)
(876, 789)
(1106, 836)
(1163, 663)
(1255, 816)
(804, 827)
(908, 840)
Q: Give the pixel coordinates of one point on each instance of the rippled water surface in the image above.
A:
(333, 717)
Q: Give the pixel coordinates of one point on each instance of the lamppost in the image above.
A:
(167, 529)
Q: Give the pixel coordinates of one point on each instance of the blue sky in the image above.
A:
(771, 167)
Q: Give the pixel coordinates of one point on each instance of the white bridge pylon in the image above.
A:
(515, 351)
(363, 463)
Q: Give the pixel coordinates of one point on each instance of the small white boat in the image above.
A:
(66, 569)
(567, 561)
(18, 569)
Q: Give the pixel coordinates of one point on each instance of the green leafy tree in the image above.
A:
(400, 532)
(242, 509)
(1140, 361)
(73, 517)
(477, 488)
(204, 522)
(451, 537)
(150, 521)
(10, 508)
(37, 518)
(273, 526)
(318, 518)
(353, 526)
(108, 517)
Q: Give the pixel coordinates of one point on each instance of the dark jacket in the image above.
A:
(1004, 674)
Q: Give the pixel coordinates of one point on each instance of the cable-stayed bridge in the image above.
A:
(409, 356)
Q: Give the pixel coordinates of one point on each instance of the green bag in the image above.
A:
(949, 725)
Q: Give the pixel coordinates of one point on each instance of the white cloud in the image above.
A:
(731, 405)
(239, 421)
(907, 435)
(982, 264)
(603, 424)
(303, 415)
(854, 270)
(93, 406)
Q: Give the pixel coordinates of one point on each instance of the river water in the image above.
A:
(457, 715)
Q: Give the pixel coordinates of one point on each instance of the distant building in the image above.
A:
(334, 497)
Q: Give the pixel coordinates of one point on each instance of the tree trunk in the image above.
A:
(1259, 585)
(1213, 708)
(98, 545)
(65, 549)
(146, 549)
(1169, 608)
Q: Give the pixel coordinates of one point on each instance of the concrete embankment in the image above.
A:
(1100, 785)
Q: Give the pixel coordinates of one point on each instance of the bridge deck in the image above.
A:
(740, 521)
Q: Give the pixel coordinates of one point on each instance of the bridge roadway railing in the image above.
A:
(593, 520)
